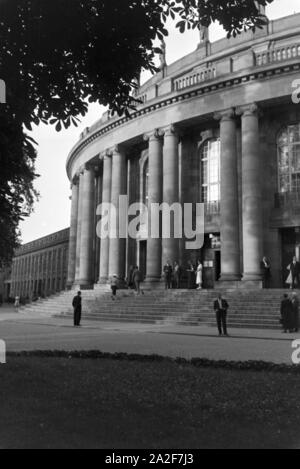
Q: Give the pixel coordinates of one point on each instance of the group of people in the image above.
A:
(293, 278)
(290, 313)
(173, 275)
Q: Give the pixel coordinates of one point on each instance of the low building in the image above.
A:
(39, 268)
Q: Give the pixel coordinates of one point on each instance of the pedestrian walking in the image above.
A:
(168, 271)
(221, 308)
(17, 302)
(177, 275)
(286, 311)
(114, 287)
(199, 277)
(295, 311)
(137, 280)
(266, 271)
(77, 305)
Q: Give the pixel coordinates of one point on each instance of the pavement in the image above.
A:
(33, 332)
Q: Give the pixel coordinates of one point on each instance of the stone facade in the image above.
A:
(39, 268)
(217, 127)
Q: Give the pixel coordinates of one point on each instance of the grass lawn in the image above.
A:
(105, 403)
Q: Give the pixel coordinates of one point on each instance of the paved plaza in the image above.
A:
(31, 332)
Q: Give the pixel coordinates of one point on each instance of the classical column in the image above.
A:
(79, 223)
(230, 238)
(252, 194)
(106, 199)
(154, 245)
(170, 192)
(117, 248)
(73, 233)
(87, 227)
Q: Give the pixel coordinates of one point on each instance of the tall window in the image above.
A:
(288, 145)
(210, 171)
(146, 184)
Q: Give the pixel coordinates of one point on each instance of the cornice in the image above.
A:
(230, 81)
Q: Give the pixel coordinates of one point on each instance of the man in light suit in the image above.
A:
(221, 307)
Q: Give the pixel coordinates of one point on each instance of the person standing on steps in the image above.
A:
(295, 311)
(295, 272)
(266, 271)
(168, 271)
(177, 275)
(114, 287)
(199, 279)
(77, 305)
(286, 314)
(221, 308)
(137, 280)
(191, 276)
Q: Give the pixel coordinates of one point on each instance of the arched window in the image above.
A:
(210, 171)
(288, 144)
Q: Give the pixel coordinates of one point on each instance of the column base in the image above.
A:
(154, 283)
(230, 278)
(83, 286)
(102, 281)
(255, 277)
(240, 285)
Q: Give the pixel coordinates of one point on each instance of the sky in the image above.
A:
(52, 211)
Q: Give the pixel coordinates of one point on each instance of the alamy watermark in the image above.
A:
(174, 221)
(296, 353)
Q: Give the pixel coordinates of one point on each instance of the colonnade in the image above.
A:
(163, 184)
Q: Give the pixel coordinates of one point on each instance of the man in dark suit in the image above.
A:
(295, 311)
(295, 271)
(221, 307)
(77, 305)
(168, 271)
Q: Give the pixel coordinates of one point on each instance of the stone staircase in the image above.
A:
(249, 309)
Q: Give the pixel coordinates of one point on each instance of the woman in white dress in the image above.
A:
(199, 279)
(289, 280)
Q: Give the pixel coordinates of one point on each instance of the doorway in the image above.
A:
(143, 258)
(290, 238)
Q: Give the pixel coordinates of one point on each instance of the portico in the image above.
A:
(206, 132)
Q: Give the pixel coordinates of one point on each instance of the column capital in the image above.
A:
(225, 115)
(171, 131)
(154, 135)
(248, 110)
(115, 149)
(105, 155)
(87, 167)
(75, 180)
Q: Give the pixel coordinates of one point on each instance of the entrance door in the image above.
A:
(143, 258)
(290, 248)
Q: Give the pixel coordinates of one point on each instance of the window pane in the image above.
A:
(295, 158)
(210, 171)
